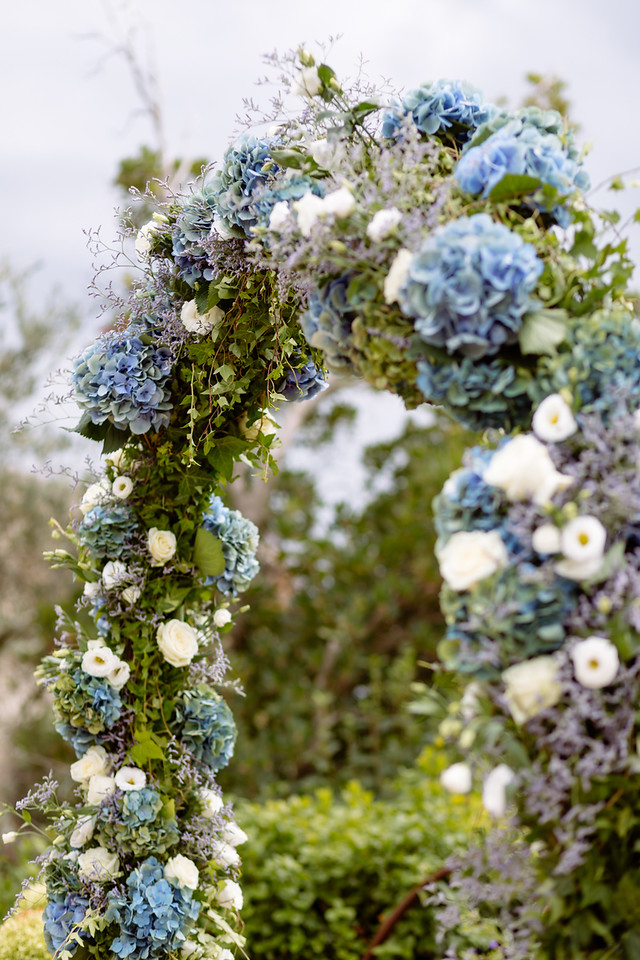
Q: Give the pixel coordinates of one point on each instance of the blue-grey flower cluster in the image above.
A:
(239, 538)
(446, 106)
(282, 191)
(154, 916)
(246, 168)
(469, 286)
(124, 379)
(106, 529)
(206, 726)
(60, 918)
(138, 827)
(192, 227)
(86, 702)
(78, 737)
(302, 383)
(327, 322)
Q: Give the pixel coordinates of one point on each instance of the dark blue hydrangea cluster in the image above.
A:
(192, 227)
(327, 322)
(446, 106)
(206, 725)
(124, 379)
(106, 529)
(155, 915)
(239, 538)
(60, 917)
(303, 383)
(470, 285)
(246, 169)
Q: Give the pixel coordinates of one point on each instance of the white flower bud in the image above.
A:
(471, 556)
(457, 778)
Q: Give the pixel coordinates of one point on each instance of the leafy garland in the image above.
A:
(440, 248)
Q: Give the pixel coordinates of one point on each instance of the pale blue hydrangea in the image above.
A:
(134, 823)
(246, 169)
(206, 726)
(239, 538)
(191, 228)
(282, 191)
(302, 383)
(153, 916)
(327, 322)
(470, 285)
(90, 702)
(78, 737)
(107, 529)
(447, 106)
(59, 918)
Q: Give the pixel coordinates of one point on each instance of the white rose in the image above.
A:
(131, 594)
(383, 223)
(307, 83)
(339, 203)
(99, 661)
(212, 803)
(94, 761)
(546, 539)
(98, 864)
(143, 239)
(494, 790)
(553, 421)
(595, 662)
(183, 870)
(225, 855)
(222, 617)
(457, 778)
(178, 642)
(531, 686)
(83, 832)
(308, 208)
(323, 152)
(200, 323)
(525, 471)
(92, 590)
(130, 778)
(122, 487)
(279, 215)
(162, 546)
(233, 834)
(95, 494)
(116, 458)
(229, 895)
(114, 573)
(120, 676)
(397, 275)
(469, 557)
(100, 787)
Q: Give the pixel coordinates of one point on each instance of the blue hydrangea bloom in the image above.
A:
(154, 916)
(469, 286)
(125, 379)
(107, 528)
(206, 726)
(243, 173)
(283, 191)
(446, 106)
(303, 383)
(327, 322)
(140, 806)
(192, 227)
(79, 737)
(240, 538)
(59, 918)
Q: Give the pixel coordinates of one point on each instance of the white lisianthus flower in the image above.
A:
(83, 832)
(553, 420)
(308, 208)
(531, 686)
(100, 787)
(99, 661)
(307, 83)
(383, 223)
(525, 471)
(323, 152)
(183, 870)
(471, 556)
(229, 895)
(595, 662)
(339, 203)
(94, 762)
(233, 834)
(222, 617)
(92, 590)
(225, 855)
(546, 539)
(583, 538)
(397, 276)
(131, 594)
(280, 213)
(130, 778)
(98, 864)
(10, 836)
(457, 778)
(212, 803)
(178, 642)
(122, 487)
(120, 676)
(200, 323)
(494, 790)
(95, 494)
(162, 546)
(114, 573)
(143, 239)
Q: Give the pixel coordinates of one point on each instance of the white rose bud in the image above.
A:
(469, 557)
(99, 661)
(131, 594)
(98, 864)
(225, 855)
(94, 761)
(531, 687)
(233, 834)
(212, 803)
(308, 208)
(100, 787)
(494, 790)
(95, 494)
(130, 778)
(162, 546)
(525, 471)
(83, 832)
(229, 895)
(200, 323)
(122, 487)
(143, 239)
(280, 214)
(222, 617)
(183, 870)
(10, 836)
(178, 642)
(120, 676)
(323, 152)
(307, 83)
(397, 276)
(546, 539)
(383, 223)
(114, 573)
(553, 421)
(595, 662)
(339, 203)
(92, 590)
(457, 778)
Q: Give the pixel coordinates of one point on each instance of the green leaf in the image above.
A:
(207, 553)
(514, 185)
(584, 246)
(202, 297)
(87, 428)
(145, 749)
(172, 600)
(326, 74)
(543, 331)
(223, 454)
(113, 439)
(631, 944)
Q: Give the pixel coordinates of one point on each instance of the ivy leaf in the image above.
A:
(514, 185)
(207, 553)
(172, 600)
(202, 298)
(543, 331)
(146, 748)
(223, 454)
